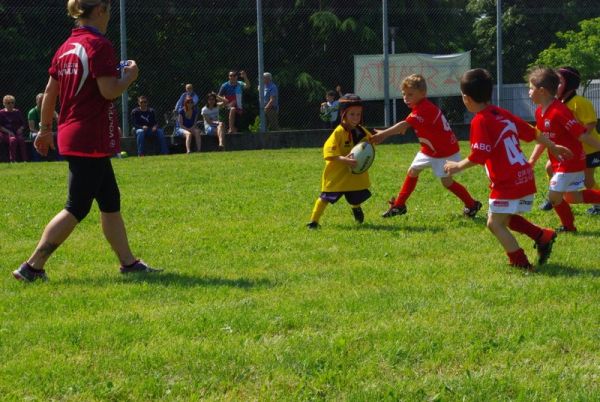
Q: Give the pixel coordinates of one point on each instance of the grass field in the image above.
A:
(253, 306)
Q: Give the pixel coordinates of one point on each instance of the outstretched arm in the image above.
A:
(398, 128)
(451, 167)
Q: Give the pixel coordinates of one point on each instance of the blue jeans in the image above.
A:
(141, 135)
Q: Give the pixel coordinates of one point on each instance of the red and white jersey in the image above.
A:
(495, 135)
(435, 135)
(558, 124)
(88, 123)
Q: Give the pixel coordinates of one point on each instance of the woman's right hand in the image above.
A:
(43, 142)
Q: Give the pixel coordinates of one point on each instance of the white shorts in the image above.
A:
(567, 182)
(423, 161)
(517, 206)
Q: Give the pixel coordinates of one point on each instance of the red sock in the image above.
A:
(518, 258)
(563, 210)
(522, 225)
(461, 192)
(591, 196)
(407, 188)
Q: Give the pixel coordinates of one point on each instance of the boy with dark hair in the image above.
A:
(338, 179)
(557, 122)
(438, 144)
(495, 135)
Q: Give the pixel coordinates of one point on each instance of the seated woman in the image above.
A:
(210, 113)
(186, 124)
(12, 129)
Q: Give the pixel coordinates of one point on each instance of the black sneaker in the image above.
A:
(313, 225)
(594, 210)
(138, 266)
(359, 215)
(471, 212)
(27, 273)
(394, 209)
(546, 205)
(544, 245)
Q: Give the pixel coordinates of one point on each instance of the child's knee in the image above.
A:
(447, 181)
(413, 172)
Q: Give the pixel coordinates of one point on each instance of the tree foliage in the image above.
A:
(309, 45)
(579, 49)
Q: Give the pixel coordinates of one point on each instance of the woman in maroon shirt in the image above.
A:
(84, 75)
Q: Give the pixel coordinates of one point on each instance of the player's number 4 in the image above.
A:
(513, 152)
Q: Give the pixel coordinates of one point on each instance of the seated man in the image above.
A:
(144, 121)
(232, 91)
(189, 91)
(33, 119)
(12, 129)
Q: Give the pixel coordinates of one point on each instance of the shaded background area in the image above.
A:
(308, 45)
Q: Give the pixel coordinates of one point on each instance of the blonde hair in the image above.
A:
(82, 8)
(415, 81)
(8, 98)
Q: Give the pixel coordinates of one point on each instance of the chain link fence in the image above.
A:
(309, 46)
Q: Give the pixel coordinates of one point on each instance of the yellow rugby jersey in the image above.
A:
(337, 176)
(584, 112)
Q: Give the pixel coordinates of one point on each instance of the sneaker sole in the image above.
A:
(19, 277)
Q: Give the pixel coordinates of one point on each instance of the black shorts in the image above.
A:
(353, 197)
(91, 179)
(592, 160)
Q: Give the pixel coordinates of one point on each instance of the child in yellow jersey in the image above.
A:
(584, 112)
(338, 180)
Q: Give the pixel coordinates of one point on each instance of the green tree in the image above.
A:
(526, 28)
(578, 49)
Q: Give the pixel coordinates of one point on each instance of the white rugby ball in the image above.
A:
(364, 153)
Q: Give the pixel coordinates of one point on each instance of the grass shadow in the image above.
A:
(392, 228)
(565, 271)
(584, 233)
(171, 279)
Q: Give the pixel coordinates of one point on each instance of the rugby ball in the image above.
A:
(364, 153)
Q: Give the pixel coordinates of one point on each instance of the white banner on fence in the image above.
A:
(442, 73)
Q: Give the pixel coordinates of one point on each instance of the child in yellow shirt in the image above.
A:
(338, 179)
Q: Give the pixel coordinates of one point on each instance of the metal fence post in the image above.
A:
(499, 71)
(386, 65)
(261, 65)
(124, 95)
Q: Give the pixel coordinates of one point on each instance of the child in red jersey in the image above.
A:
(557, 123)
(495, 135)
(438, 144)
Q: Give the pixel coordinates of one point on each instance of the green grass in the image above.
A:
(252, 306)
